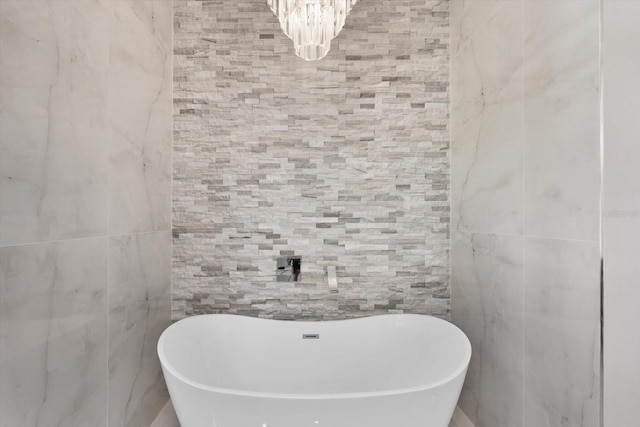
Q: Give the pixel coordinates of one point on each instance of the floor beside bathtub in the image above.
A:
(167, 418)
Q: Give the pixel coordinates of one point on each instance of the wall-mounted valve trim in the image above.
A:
(288, 268)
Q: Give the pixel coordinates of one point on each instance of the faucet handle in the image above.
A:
(332, 278)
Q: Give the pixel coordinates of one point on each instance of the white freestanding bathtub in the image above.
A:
(382, 371)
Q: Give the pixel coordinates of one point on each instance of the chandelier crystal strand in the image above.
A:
(311, 24)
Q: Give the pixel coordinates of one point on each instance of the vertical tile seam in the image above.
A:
(111, 12)
(522, 200)
(171, 71)
(107, 199)
(450, 154)
(601, 202)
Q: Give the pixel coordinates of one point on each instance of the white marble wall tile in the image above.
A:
(53, 334)
(140, 117)
(562, 333)
(487, 169)
(487, 300)
(489, 66)
(549, 187)
(486, 126)
(139, 310)
(621, 211)
(53, 124)
(562, 122)
(79, 77)
(469, 16)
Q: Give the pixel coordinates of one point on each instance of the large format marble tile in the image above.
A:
(621, 216)
(487, 306)
(562, 333)
(139, 310)
(486, 179)
(486, 126)
(468, 17)
(488, 67)
(140, 116)
(562, 125)
(53, 124)
(53, 334)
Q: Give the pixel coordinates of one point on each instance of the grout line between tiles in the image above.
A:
(526, 236)
(108, 202)
(601, 201)
(100, 236)
(171, 72)
(522, 147)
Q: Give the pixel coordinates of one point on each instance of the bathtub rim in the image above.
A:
(460, 370)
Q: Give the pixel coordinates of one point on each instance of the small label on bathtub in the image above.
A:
(310, 336)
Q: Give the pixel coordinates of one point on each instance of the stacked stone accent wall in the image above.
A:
(343, 161)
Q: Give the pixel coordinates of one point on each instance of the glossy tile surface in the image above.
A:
(525, 163)
(621, 211)
(469, 16)
(53, 120)
(139, 310)
(85, 153)
(487, 294)
(561, 333)
(53, 334)
(562, 121)
(486, 125)
(140, 109)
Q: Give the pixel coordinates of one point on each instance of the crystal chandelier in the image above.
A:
(311, 24)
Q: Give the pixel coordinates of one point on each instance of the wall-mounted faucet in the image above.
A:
(332, 279)
(288, 268)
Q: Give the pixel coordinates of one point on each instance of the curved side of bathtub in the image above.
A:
(197, 404)
(197, 407)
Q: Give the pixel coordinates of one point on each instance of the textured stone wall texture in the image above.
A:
(343, 161)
